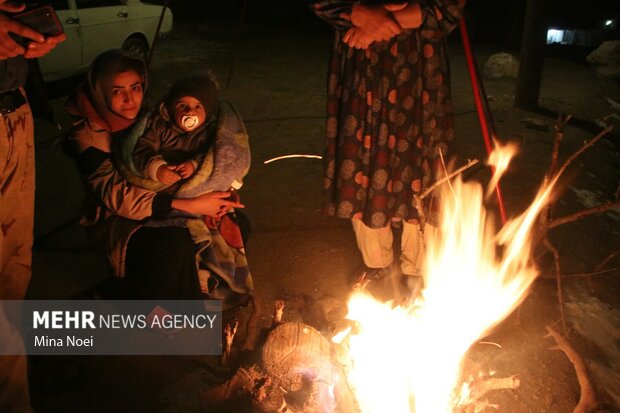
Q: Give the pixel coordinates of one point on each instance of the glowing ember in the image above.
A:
(409, 359)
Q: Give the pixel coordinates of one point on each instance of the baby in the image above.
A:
(181, 133)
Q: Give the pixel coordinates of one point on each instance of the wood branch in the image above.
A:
(229, 336)
(558, 278)
(446, 178)
(608, 259)
(587, 398)
(483, 405)
(480, 388)
(556, 222)
(557, 140)
(417, 200)
(601, 265)
(585, 147)
(581, 274)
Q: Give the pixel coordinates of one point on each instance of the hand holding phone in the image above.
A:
(43, 19)
(24, 33)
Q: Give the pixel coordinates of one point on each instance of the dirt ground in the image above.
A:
(308, 259)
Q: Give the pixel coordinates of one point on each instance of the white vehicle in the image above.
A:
(93, 26)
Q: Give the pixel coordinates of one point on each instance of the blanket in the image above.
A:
(227, 160)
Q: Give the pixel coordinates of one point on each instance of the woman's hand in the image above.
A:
(214, 204)
(375, 20)
(357, 38)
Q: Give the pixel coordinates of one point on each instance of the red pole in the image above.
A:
(483, 117)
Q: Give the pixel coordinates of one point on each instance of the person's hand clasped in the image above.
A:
(166, 174)
(184, 170)
(357, 38)
(375, 21)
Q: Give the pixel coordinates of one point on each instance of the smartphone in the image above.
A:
(42, 19)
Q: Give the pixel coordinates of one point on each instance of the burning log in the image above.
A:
(480, 388)
(246, 382)
(472, 392)
(587, 399)
(301, 361)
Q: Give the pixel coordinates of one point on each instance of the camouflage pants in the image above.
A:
(16, 235)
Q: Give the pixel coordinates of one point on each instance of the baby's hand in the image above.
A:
(167, 175)
(185, 169)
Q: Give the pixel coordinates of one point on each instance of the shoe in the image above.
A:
(413, 286)
(369, 275)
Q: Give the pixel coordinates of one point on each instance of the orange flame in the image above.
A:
(408, 359)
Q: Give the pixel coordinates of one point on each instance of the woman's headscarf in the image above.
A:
(92, 98)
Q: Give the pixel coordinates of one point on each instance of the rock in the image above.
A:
(606, 59)
(501, 65)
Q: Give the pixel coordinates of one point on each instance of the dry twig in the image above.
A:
(278, 312)
(582, 274)
(583, 213)
(587, 398)
(229, 336)
(418, 199)
(480, 388)
(545, 223)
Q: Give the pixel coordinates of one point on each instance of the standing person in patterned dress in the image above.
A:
(389, 115)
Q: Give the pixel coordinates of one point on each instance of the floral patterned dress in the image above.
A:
(389, 114)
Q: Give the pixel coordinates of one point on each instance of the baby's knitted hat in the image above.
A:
(202, 86)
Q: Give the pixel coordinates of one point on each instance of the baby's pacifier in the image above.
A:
(190, 122)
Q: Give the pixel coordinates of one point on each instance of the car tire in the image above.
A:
(136, 47)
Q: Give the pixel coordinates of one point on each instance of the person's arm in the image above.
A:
(94, 162)
(335, 12)
(440, 17)
(214, 204)
(375, 20)
(408, 15)
(371, 23)
(147, 152)
(93, 159)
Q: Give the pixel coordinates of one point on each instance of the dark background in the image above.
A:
(493, 23)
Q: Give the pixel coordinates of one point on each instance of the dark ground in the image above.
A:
(278, 85)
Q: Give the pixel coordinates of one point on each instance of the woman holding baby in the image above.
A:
(156, 239)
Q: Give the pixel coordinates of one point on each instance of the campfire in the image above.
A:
(408, 358)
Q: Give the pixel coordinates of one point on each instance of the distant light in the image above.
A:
(555, 36)
(609, 22)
